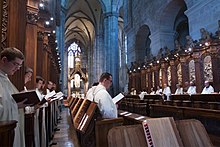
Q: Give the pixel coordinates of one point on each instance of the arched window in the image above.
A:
(73, 51)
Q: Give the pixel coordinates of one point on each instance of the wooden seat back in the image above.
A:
(127, 136)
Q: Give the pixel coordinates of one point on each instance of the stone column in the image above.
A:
(98, 57)
(111, 51)
(63, 52)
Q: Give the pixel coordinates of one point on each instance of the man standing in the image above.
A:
(11, 61)
(100, 95)
(208, 89)
(166, 92)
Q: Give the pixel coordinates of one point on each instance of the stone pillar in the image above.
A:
(31, 41)
(98, 58)
(111, 52)
(63, 52)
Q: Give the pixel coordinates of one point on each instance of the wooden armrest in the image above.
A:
(109, 121)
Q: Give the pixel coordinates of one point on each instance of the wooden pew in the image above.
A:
(209, 118)
(91, 130)
(7, 133)
(127, 136)
(102, 128)
(206, 101)
(118, 136)
(153, 98)
(181, 100)
(131, 118)
(29, 130)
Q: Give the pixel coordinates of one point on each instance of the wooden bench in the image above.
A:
(7, 133)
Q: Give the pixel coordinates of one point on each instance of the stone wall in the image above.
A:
(159, 16)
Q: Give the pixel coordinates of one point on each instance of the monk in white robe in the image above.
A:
(11, 61)
(208, 89)
(100, 95)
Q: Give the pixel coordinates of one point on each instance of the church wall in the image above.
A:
(204, 14)
(153, 14)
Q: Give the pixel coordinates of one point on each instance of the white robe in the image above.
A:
(104, 101)
(167, 92)
(142, 94)
(89, 94)
(179, 91)
(208, 90)
(9, 109)
(159, 92)
(191, 90)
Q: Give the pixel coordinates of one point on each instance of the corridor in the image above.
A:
(66, 136)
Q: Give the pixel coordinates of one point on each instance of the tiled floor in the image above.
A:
(66, 136)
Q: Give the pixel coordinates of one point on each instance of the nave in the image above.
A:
(66, 136)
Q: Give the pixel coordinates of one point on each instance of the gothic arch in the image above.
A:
(167, 14)
(142, 43)
(181, 26)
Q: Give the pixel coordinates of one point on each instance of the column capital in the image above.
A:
(109, 14)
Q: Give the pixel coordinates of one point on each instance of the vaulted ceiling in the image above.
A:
(82, 21)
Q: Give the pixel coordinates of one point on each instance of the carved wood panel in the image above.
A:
(192, 74)
(207, 62)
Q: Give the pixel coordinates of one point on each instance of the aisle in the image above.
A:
(66, 136)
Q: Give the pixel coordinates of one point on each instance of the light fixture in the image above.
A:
(51, 18)
(41, 4)
(47, 22)
(207, 44)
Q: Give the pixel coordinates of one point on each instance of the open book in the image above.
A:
(117, 98)
(30, 97)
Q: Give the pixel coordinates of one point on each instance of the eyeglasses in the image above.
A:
(16, 64)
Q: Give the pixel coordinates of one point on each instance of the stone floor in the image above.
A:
(66, 136)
